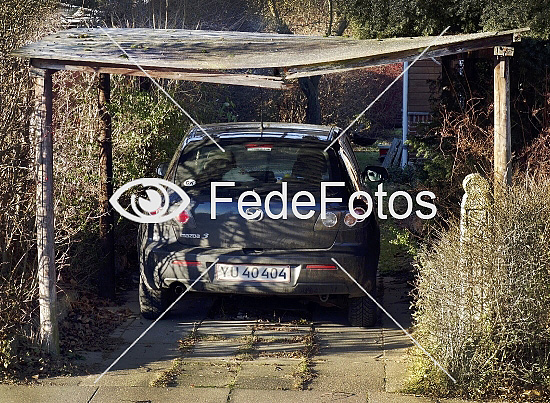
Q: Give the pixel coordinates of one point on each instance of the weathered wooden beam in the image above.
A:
(503, 129)
(211, 50)
(41, 124)
(106, 218)
(216, 77)
(407, 55)
(398, 155)
(216, 56)
(392, 153)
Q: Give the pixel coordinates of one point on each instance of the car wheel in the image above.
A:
(152, 302)
(362, 311)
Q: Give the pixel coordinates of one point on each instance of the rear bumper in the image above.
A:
(162, 265)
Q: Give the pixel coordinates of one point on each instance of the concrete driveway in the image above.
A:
(244, 349)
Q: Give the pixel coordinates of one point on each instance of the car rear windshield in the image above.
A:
(258, 165)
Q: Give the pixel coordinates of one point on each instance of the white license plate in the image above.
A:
(232, 272)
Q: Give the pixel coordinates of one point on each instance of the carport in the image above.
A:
(236, 58)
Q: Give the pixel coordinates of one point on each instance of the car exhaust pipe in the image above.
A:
(178, 289)
(324, 298)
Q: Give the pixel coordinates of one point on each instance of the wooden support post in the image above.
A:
(106, 219)
(503, 131)
(310, 87)
(405, 116)
(41, 124)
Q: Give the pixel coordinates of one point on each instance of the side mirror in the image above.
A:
(374, 173)
(162, 169)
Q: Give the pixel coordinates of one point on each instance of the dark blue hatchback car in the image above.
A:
(275, 241)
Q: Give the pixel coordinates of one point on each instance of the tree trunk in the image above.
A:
(310, 87)
(45, 236)
(106, 219)
(282, 28)
(342, 25)
(330, 17)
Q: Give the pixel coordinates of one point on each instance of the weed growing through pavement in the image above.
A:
(186, 345)
(247, 351)
(168, 378)
(305, 373)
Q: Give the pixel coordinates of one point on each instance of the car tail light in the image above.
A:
(329, 223)
(350, 220)
(184, 221)
(187, 263)
(183, 217)
(320, 267)
(259, 147)
(360, 211)
(330, 220)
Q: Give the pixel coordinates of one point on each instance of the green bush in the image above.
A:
(147, 127)
(483, 306)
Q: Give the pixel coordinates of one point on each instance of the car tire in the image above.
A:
(152, 302)
(362, 312)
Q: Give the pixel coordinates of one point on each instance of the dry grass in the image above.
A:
(536, 155)
(483, 307)
(247, 350)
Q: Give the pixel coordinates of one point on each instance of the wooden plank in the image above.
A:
(399, 56)
(388, 160)
(421, 82)
(423, 87)
(397, 160)
(431, 69)
(425, 64)
(424, 108)
(424, 76)
(423, 105)
(296, 56)
(106, 217)
(419, 96)
(502, 137)
(251, 80)
(420, 92)
(419, 106)
(178, 49)
(41, 125)
(424, 69)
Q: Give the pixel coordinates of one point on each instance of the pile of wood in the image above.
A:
(75, 16)
(393, 156)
